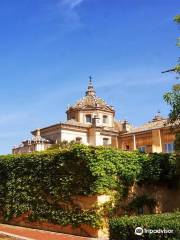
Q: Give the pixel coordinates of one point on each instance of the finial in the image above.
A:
(90, 80)
(157, 117)
(90, 90)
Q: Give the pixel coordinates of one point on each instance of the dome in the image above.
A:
(90, 100)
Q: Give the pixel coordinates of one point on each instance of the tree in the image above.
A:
(177, 20)
(173, 99)
(177, 67)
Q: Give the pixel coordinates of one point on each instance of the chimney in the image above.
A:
(38, 134)
(95, 121)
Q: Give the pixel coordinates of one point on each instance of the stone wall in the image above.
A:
(167, 199)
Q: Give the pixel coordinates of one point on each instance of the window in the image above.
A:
(105, 119)
(169, 147)
(78, 139)
(88, 118)
(142, 149)
(105, 141)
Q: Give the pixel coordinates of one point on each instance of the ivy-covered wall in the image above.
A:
(42, 184)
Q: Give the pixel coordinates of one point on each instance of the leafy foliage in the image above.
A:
(61, 145)
(173, 99)
(43, 184)
(161, 169)
(124, 228)
(177, 20)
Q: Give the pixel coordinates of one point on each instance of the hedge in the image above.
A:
(124, 228)
(37, 182)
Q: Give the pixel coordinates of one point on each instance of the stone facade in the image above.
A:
(91, 121)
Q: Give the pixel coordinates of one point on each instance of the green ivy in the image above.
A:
(43, 183)
(161, 168)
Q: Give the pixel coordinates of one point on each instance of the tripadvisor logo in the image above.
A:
(138, 231)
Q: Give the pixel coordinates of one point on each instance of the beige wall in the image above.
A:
(107, 137)
(168, 199)
(80, 116)
(125, 141)
(31, 147)
(110, 120)
(96, 139)
(153, 140)
(23, 149)
(114, 142)
(167, 137)
(156, 141)
(52, 135)
(39, 147)
(67, 135)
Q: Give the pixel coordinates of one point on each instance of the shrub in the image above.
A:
(124, 228)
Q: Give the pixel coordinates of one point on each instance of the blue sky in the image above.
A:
(48, 48)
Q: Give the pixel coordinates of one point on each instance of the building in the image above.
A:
(91, 121)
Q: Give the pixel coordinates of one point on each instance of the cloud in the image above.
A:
(69, 12)
(65, 14)
(71, 3)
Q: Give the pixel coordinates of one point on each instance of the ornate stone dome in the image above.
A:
(90, 100)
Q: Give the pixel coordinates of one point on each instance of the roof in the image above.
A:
(157, 122)
(73, 122)
(90, 100)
